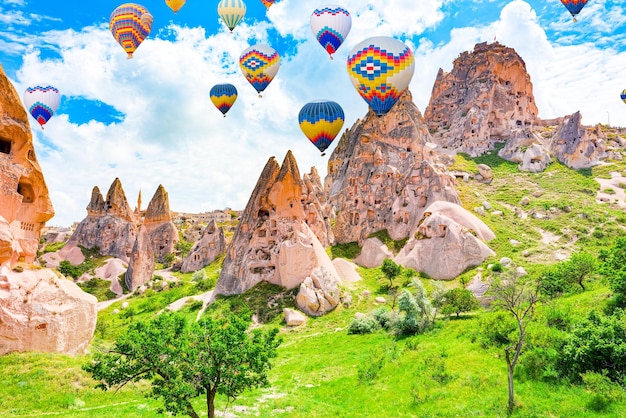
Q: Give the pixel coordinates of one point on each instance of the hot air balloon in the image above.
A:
(623, 95)
(331, 25)
(380, 68)
(42, 100)
(175, 5)
(574, 6)
(268, 3)
(223, 96)
(231, 12)
(259, 64)
(321, 121)
(130, 24)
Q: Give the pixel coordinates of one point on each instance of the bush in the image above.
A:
(551, 283)
(416, 313)
(603, 391)
(363, 325)
(494, 329)
(383, 316)
(458, 300)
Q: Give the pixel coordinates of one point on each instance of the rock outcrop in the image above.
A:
(158, 222)
(274, 243)
(487, 98)
(25, 204)
(578, 146)
(40, 311)
(141, 262)
(211, 245)
(110, 225)
(383, 173)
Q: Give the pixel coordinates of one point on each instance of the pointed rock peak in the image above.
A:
(289, 167)
(96, 204)
(159, 207)
(116, 203)
(211, 227)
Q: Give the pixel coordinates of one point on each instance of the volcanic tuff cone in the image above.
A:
(383, 173)
(274, 243)
(158, 222)
(485, 99)
(25, 205)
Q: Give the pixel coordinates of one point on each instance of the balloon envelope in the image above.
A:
(623, 95)
(380, 69)
(175, 5)
(259, 64)
(268, 3)
(223, 96)
(574, 6)
(321, 121)
(130, 24)
(231, 12)
(331, 25)
(41, 101)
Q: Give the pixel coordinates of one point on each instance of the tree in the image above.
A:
(417, 312)
(518, 297)
(391, 270)
(578, 268)
(187, 359)
(459, 300)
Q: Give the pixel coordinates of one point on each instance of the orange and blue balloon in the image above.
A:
(380, 69)
(223, 96)
(259, 64)
(42, 100)
(331, 25)
(130, 24)
(175, 5)
(321, 121)
(268, 3)
(574, 6)
(231, 12)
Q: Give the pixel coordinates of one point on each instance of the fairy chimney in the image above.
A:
(158, 222)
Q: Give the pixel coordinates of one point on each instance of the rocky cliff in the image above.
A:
(383, 173)
(159, 226)
(25, 204)
(211, 245)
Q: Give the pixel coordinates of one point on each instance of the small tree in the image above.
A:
(391, 270)
(578, 268)
(518, 297)
(184, 360)
(459, 300)
(416, 311)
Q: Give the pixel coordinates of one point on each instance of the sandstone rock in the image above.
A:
(380, 300)
(347, 270)
(373, 253)
(577, 146)
(211, 245)
(463, 217)
(274, 243)
(158, 222)
(485, 99)
(293, 318)
(141, 264)
(383, 173)
(528, 150)
(318, 293)
(485, 171)
(42, 312)
(24, 200)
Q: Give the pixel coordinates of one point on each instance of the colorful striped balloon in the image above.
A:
(380, 69)
(42, 100)
(331, 25)
(175, 5)
(130, 24)
(268, 3)
(231, 12)
(223, 96)
(623, 95)
(321, 121)
(259, 64)
(574, 6)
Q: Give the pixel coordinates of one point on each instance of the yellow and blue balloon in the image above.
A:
(259, 64)
(41, 101)
(130, 24)
(623, 95)
(175, 5)
(223, 96)
(380, 69)
(321, 121)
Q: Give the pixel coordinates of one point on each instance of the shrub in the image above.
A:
(603, 391)
(497, 267)
(494, 329)
(383, 316)
(416, 313)
(458, 300)
(363, 325)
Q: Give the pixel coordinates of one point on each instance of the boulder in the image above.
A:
(293, 318)
(373, 253)
(319, 293)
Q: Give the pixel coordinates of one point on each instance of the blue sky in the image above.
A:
(149, 120)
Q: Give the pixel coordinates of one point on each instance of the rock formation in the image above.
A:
(25, 205)
(485, 99)
(110, 225)
(158, 222)
(577, 146)
(274, 243)
(383, 173)
(211, 245)
(41, 312)
(141, 262)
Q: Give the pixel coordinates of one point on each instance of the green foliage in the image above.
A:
(415, 311)
(53, 247)
(495, 329)
(67, 269)
(391, 270)
(383, 316)
(551, 282)
(100, 288)
(580, 266)
(603, 391)
(497, 267)
(394, 246)
(185, 359)
(183, 247)
(597, 344)
(363, 325)
(348, 251)
(458, 300)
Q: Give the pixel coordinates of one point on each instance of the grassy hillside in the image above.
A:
(322, 371)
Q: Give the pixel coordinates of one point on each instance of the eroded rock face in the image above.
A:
(485, 99)
(273, 241)
(383, 173)
(141, 262)
(40, 311)
(158, 222)
(110, 225)
(211, 245)
(24, 200)
(578, 146)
